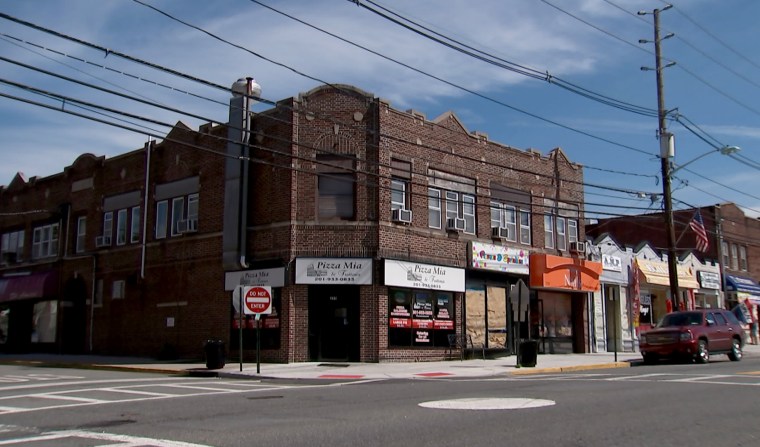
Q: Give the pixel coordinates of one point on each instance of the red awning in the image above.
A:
(33, 285)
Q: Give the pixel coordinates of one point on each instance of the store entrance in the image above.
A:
(334, 323)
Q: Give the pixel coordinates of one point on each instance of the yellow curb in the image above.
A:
(557, 369)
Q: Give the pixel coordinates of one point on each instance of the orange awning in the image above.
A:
(556, 272)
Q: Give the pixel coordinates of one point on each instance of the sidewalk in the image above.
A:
(347, 371)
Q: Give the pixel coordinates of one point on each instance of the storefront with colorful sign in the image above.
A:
(654, 290)
(563, 286)
(421, 303)
(611, 304)
(492, 270)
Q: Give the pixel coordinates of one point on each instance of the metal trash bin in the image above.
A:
(214, 352)
(528, 353)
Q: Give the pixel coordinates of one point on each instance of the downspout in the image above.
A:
(148, 148)
(92, 299)
(245, 160)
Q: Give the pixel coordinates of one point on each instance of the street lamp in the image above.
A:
(725, 150)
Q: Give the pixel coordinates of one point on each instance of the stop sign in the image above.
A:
(257, 300)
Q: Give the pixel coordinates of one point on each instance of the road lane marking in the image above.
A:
(72, 398)
(489, 403)
(122, 440)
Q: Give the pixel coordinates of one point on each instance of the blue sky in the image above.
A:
(592, 44)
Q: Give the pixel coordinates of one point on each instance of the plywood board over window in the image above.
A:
(475, 310)
(497, 317)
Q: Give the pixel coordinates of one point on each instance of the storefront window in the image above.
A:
(557, 316)
(420, 318)
(44, 321)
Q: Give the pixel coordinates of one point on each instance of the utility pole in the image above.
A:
(666, 153)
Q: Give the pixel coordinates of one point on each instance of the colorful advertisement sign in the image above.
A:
(499, 258)
(334, 271)
(423, 276)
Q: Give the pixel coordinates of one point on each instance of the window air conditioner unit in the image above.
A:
(192, 226)
(181, 226)
(9, 257)
(578, 247)
(499, 232)
(456, 224)
(401, 215)
(103, 241)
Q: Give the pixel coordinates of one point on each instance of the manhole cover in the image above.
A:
(487, 404)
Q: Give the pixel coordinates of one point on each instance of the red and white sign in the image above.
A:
(257, 300)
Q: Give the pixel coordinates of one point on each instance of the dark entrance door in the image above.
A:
(334, 323)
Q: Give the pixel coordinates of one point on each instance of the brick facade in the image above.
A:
(174, 297)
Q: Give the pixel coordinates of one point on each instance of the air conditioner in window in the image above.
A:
(578, 247)
(455, 224)
(499, 232)
(192, 226)
(9, 257)
(181, 227)
(401, 215)
(103, 241)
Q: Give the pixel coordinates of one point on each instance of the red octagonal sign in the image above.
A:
(257, 300)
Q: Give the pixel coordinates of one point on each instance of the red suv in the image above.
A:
(694, 334)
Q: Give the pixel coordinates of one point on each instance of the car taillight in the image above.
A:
(686, 336)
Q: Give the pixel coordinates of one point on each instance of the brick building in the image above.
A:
(379, 232)
(733, 243)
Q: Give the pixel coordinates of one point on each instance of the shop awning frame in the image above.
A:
(27, 286)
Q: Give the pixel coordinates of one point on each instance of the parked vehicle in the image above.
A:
(694, 335)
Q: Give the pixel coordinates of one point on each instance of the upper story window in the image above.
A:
(401, 176)
(177, 205)
(451, 202)
(45, 241)
(734, 257)
(525, 230)
(398, 194)
(162, 211)
(726, 254)
(12, 247)
(134, 230)
(121, 227)
(560, 224)
(335, 188)
(80, 245)
(504, 216)
(743, 258)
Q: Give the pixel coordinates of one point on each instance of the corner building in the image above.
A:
(381, 234)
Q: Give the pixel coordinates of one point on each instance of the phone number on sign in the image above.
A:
(337, 279)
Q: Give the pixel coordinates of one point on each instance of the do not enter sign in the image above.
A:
(257, 300)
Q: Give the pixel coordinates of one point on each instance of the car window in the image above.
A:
(710, 318)
(731, 318)
(720, 319)
(681, 319)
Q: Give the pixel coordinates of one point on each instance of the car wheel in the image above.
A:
(703, 354)
(649, 359)
(736, 351)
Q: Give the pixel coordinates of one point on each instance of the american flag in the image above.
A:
(698, 226)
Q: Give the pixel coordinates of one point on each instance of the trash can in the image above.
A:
(528, 353)
(214, 350)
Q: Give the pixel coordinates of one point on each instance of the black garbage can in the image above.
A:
(214, 350)
(528, 353)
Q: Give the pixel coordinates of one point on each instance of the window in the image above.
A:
(134, 229)
(548, 231)
(434, 208)
(12, 247)
(98, 300)
(504, 216)
(726, 254)
(335, 188)
(561, 234)
(121, 227)
(420, 318)
(734, 257)
(192, 207)
(572, 231)
(178, 212)
(108, 224)
(45, 241)
(457, 206)
(398, 194)
(162, 211)
(525, 227)
(743, 258)
(81, 234)
(119, 289)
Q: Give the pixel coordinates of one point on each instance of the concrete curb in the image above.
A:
(558, 369)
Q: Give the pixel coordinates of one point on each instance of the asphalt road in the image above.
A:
(663, 405)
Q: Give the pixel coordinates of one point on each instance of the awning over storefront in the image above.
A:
(742, 284)
(32, 285)
(657, 273)
(571, 274)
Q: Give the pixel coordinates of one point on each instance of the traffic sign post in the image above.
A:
(257, 300)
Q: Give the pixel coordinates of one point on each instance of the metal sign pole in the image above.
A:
(240, 330)
(258, 343)
(519, 319)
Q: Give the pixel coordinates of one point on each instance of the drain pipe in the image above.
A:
(148, 149)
